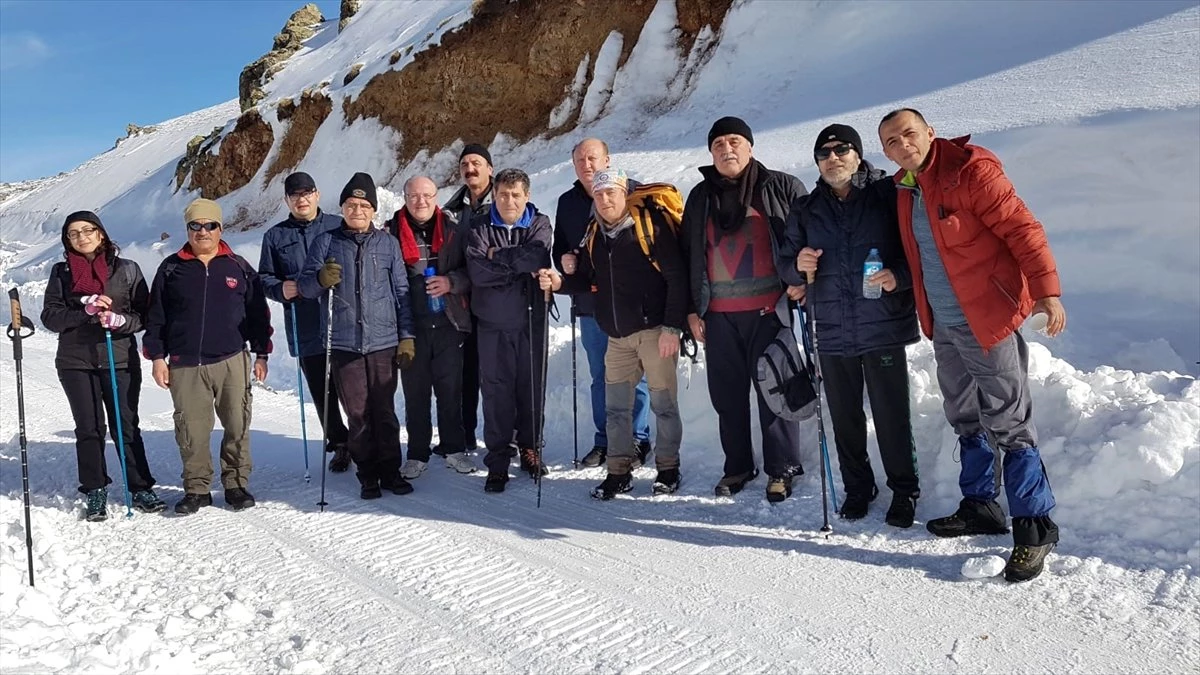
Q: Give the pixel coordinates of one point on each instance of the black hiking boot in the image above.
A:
(902, 511)
(148, 502)
(971, 518)
(729, 486)
(596, 457)
(1026, 562)
(531, 465)
(641, 451)
(340, 462)
(239, 499)
(97, 505)
(613, 485)
(495, 482)
(370, 490)
(857, 504)
(667, 481)
(191, 503)
(779, 488)
(397, 484)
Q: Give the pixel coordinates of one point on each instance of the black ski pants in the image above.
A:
(89, 394)
(509, 373)
(313, 368)
(435, 371)
(885, 373)
(470, 385)
(366, 384)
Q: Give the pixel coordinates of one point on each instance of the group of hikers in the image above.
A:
(454, 302)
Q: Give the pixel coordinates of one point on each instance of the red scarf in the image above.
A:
(88, 278)
(408, 241)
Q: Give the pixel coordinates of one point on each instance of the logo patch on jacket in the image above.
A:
(231, 282)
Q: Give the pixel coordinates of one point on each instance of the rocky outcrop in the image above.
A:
(300, 27)
(239, 156)
(348, 9)
(303, 118)
(199, 144)
(132, 130)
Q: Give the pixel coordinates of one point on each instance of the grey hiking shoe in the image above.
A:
(97, 505)
(1026, 562)
(731, 485)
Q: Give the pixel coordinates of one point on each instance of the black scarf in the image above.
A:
(730, 198)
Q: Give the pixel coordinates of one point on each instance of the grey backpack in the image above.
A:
(783, 381)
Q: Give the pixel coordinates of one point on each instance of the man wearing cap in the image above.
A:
(830, 233)
(732, 228)
(284, 248)
(980, 265)
(504, 253)
(372, 331)
(472, 201)
(571, 219)
(206, 303)
(641, 305)
(434, 249)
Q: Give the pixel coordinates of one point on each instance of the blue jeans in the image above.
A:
(595, 343)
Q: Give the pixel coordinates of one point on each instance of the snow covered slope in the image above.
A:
(1095, 109)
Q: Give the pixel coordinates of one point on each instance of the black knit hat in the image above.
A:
(839, 132)
(476, 149)
(361, 186)
(730, 125)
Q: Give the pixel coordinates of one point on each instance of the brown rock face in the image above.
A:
(304, 120)
(348, 9)
(299, 27)
(238, 158)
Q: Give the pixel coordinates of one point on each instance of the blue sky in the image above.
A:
(73, 73)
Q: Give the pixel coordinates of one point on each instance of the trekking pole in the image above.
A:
(541, 429)
(112, 378)
(14, 333)
(325, 403)
(815, 365)
(300, 388)
(574, 393)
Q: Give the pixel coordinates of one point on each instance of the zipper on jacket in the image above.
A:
(612, 290)
(358, 286)
(203, 314)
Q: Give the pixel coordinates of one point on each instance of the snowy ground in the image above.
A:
(1095, 113)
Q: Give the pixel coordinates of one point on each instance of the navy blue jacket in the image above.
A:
(81, 344)
(502, 287)
(371, 309)
(201, 314)
(284, 250)
(571, 218)
(847, 323)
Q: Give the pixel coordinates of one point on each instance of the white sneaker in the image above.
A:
(413, 468)
(460, 462)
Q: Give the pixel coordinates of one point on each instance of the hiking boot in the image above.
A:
(1026, 562)
(495, 482)
(460, 462)
(413, 468)
(971, 518)
(238, 498)
(191, 503)
(97, 505)
(340, 461)
(731, 485)
(396, 484)
(148, 502)
(902, 511)
(596, 457)
(857, 504)
(531, 465)
(779, 488)
(613, 485)
(370, 491)
(641, 450)
(667, 481)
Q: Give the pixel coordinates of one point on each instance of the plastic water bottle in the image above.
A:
(872, 265)
(435, 304)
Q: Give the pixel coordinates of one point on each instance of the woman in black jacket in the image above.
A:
(94, 291)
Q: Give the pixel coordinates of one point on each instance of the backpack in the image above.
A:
(783, 380)
(663, 198)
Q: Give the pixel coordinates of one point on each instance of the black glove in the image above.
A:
(330, 274)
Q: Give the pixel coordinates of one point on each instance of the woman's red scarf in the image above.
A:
(87, 277)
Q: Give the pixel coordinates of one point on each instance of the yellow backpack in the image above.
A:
(661, 197)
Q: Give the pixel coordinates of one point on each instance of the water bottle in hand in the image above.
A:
(435, 304)
(872, 265)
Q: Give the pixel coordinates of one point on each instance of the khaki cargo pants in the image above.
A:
(196, 390)
(625, 360)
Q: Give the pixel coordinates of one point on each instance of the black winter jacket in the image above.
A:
(451, 262)
(502, 287)
(201, 314)
(81, 344)
(459, 206)
(778, 190)
(847, 323)
(631, 295)
(284, 249)
(571, 218)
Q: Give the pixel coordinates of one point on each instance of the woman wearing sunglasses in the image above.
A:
(95, 290)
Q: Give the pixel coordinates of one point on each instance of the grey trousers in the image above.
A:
(196, 390)
(625, 361)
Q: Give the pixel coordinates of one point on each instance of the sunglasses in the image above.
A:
(196, 227)
(841, 151)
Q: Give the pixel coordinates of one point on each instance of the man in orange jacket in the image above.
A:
(980, 265)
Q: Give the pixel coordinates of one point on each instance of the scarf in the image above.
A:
(87, 277)
(730, 198)
(408, 241)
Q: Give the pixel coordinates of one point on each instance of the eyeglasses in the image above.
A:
(306, 194)
(417, 196)
(76, 235)
(841, 151)
(357, 207)
(196, 227)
